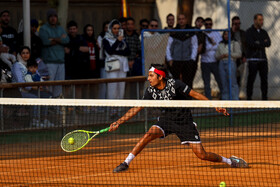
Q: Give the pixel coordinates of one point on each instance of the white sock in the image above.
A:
(129, 158)
(226, 160)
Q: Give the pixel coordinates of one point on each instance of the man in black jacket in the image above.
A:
(257, 40)
(9, 34)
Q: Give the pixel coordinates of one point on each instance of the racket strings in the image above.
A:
(80, 139)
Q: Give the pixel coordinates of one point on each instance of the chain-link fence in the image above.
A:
(246, 10)
(157, 49)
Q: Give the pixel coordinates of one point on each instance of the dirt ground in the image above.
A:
(164, 162)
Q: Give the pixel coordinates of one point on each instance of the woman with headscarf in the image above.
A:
(222, 56)
(19, 70)
(116, 51)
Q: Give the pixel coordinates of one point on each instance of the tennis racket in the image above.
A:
(76, 140)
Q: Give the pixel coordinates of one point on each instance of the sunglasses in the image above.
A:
(154, 25)
(144, 26)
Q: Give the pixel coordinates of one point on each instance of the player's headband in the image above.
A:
(159, 72)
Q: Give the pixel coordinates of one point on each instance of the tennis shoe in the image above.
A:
(122, 167)
(238, 162)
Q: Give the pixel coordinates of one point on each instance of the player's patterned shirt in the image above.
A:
(173, 90)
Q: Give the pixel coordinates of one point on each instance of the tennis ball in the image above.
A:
(222, 184)
(71, 141)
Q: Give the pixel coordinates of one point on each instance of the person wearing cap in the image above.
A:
(172, 120)
(9, 34)
(54, 38)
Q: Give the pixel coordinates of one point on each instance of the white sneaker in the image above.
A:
(47, 123)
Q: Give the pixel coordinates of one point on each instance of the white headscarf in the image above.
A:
(109, 35)
(111, 38)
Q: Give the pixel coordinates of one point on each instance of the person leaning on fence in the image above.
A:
(54, 38)
(209, 63)
(172, 120)
(222, 56)
(181, 52)
(153, 25)
(257, 39)
(117, 51)
(19, 71)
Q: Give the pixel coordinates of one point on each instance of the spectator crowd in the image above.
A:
(58, 54)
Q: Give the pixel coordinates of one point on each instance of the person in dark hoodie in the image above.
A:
(257, 40)
(181, 52)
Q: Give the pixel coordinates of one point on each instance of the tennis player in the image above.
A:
(172, 120)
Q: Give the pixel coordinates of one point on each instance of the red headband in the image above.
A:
(160, 72)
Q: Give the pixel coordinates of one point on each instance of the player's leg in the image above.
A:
(199, 151)
(152, 134)
(213, 157)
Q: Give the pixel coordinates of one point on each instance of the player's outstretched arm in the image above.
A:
(128, 115)
(199, 96)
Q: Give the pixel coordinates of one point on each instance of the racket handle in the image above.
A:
(104, 130)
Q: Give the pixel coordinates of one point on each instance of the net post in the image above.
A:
(1, 110)
(137, 90)
(146, 119)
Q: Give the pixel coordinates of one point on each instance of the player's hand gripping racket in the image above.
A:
(76, 140)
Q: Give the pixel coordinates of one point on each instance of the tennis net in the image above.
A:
(32, 130)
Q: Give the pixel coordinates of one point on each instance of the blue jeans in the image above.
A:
(207, 69)
(224, 74)
(57, 72)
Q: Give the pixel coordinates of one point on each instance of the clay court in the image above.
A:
(162, 163)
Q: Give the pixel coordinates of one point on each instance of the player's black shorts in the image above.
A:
(185, 130)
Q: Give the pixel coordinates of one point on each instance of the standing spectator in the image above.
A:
(257, 40)
(199, 22)
(9, 34)
(153, 25)
(170, 20)
(102, 87)
(54, 38)
(132, 39)
(93, 52)
(123, 20)
(76, 54)
(6, 57)
(36, 42)
(222, 56)
(181, 53)
(209, 63)
(116, 49)
(239, 35)
(144, 24)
